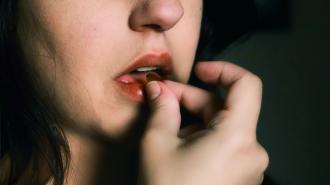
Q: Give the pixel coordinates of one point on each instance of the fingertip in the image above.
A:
(165, 109)
(172, 85)
(202, 68)
(198, 66)
(203, 64)
(175, 87)
(153, 90)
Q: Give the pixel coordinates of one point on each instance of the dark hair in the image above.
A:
(29, 138)
(29, 135)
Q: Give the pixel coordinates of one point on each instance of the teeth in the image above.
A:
(146, 69)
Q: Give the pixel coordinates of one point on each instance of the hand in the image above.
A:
(226, 152)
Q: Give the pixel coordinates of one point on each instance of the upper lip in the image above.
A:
(162, 60)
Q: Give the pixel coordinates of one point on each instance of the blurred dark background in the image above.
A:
(290, 51)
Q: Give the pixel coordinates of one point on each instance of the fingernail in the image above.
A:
(153, 90)
(152, 76)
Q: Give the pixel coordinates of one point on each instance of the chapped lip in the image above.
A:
(162, 60)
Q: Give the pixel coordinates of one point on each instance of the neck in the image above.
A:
(100, 162)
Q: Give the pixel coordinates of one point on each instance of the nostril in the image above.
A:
(155, 27)
(158, 15)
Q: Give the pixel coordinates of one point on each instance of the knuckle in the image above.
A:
(247, 147)
(256, 152)
(242, 143)
(263, 158)
(254, 79)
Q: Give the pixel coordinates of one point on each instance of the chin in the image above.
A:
(121, 123)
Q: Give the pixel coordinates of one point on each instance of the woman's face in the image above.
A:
(83, 53)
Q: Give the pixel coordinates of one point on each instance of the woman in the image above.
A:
(91, 94)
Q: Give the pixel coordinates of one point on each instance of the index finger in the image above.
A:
(243, 101)
(197, 101)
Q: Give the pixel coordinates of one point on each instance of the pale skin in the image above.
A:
(227, 152)
(74, 48)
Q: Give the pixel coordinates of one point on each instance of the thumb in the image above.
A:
(165, 110)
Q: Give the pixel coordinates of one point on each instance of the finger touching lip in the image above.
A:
(132, 80)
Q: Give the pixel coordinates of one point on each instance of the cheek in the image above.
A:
(86, 33)
(185, 37)
(84, 50)
(74, 58)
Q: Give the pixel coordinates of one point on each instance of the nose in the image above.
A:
(158, 15)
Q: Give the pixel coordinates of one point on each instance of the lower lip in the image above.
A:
(133, 90)
(132, 85)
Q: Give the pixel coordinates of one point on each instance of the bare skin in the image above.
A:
(227, 152)
(75, 49)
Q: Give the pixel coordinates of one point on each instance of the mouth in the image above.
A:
(133, 79)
